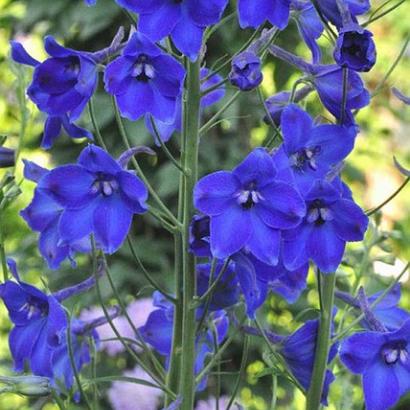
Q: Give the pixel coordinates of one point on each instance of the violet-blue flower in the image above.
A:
(7, 157)
(185, 20)
(311, 150)
(332, 219)
(43, 215)
(99, 194)
(355, 48)
(299, 349)
(248, 207)
(246, 71)
(383, 360)
(328, 80)
(252, 13)
(39, 323)
(62, 86)
(145, 80)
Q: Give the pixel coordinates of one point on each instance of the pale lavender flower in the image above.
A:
(137, 310)
(131, 396)
(210, 404)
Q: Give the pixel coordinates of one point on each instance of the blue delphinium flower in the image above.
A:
(246, 71)
(311, 150)
(62, 86)
(383, 360)
(252, 13)
(309, 25)
(355, 48)
(330, 10)
(328, 80)
(43, 215)
(248, 207)
(299, 349)
(145, 80)
(99, 194)
(39, 323)
(7, 157)
(184, 20)
(332, 219)
(166, 129)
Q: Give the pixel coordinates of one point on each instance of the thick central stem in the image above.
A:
(190, 163)
(323, 342)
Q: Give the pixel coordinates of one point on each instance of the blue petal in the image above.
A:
(381, 387)
(95, 159)
(133, 192)
(32, 171)
(52, 129)
(359, 351)
(230, 231)
(69, 185)
(206, 12)
(20, 55)
(214, 193)
(112, 221)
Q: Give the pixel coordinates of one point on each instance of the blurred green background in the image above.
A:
(369, 171)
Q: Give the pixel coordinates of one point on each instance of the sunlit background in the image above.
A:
(370, 172)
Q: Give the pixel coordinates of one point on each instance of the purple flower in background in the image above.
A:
(328, 80)
(383, 360)
(145, 80)
(199, 236)
(43, 215)
(210, 404)
(253, 13)
(332, 219)
(166, 129)
(331, 12)
(138, 311)
(248, 207)
(62, 86)
(185, 21)
(355, 48)
(299, 349)
(90, 2)
(131, 396)
(246, 71)
(309, 25)
(311, 150)
(97, 193)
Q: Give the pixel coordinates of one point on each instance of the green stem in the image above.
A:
(190, 163)
(3, 250)
(323, 342)
(93, 118)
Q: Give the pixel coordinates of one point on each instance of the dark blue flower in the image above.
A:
(158, 330)
(226, 293)
(328, 81)
(246, 71)
(184, 20)
(62, 86)
(355, 48)
(311, 150)
(248, 207)
(331, 12)
(97, 193)
(145, 80)
(252, 13)
(383, 360)
(43, 215)
(199, 233)
(166, 129)
(330, 222)
(7, 157)
(299, 349)
(39, 323)
(309, 25)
